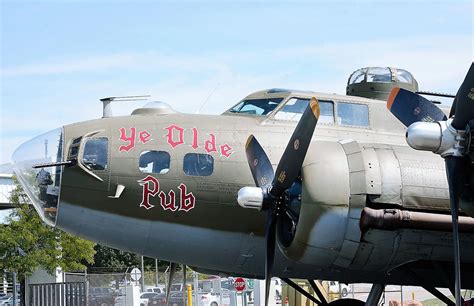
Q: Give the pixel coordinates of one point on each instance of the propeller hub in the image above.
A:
(424, 136)
(438, 137)
(250, 197)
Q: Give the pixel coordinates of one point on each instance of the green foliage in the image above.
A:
(114, 259)
(44, 246)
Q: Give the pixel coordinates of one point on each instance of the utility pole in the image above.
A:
(143, 276)
(14, 288)
(196, 288)
(156, 272)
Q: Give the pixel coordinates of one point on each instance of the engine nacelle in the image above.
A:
(340, 179)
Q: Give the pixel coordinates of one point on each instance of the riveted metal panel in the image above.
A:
(356, 162)
(357, 200)
(348, 250)
(350, 146)
(357, 170)
(424, 183)
(391, 184)
(357, 180)
(372, 171)
(353, 229)
(362, 255)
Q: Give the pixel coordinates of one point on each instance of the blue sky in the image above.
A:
(58, 58)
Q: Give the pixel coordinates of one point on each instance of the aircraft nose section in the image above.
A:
(35, 166)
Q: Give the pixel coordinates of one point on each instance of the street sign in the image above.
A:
(239, 284)
(250, 284)
(136, 274)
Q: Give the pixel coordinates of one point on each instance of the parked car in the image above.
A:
(214, 299)
(145, 296)
(158, 300)
(160, 289)
(339, 288)
(99, 296)
(119, 300)
(8, 301)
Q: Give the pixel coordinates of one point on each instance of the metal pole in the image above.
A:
(156, 272)
(196, 288)
(189, 289)
(375, 295)
(143, 276)
(220, 291)
(14, 288)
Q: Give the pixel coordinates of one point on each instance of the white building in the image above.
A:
(6, 187)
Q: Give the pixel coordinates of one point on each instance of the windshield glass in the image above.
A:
(404, 76)
(259, 107)
(295, 107)
(41, 184)
(378, 74)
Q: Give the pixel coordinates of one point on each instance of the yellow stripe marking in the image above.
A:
(391, 98)
(248, 141)
(314, 104)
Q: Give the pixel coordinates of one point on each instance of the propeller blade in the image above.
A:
(270, 237)
(410, 107)
(464, 107)
(170, 280)
(452, 111)
(290, 163)
(453, 170)
(262, 169)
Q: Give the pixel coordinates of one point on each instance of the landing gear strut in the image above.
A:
(375, 295)
(322, 299)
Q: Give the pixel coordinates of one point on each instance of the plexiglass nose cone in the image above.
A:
(42, 185)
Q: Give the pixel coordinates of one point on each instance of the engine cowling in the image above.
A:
(341, 178)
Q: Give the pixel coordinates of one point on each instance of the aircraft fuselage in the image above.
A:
(165, 184)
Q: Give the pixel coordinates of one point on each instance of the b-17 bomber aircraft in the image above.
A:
(287, 183)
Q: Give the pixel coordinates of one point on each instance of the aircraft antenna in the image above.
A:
(207, 99)
(107, 107)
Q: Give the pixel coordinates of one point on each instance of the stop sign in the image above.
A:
(239, 284)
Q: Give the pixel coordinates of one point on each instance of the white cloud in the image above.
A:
(438, 63)
(101, 63)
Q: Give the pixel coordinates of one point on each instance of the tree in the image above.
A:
(44, 246)
(113, 259)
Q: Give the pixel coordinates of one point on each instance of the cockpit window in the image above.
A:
(404, 76)
(257, 107)
(358, 76)
(154, 162)
(95, 153)
(379, 74)
(295, 107)
(42, 184)
(353, 114)
(74, 148)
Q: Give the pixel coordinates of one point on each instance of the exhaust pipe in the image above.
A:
(393, 219)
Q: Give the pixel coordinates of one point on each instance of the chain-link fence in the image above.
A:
(132, 288)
